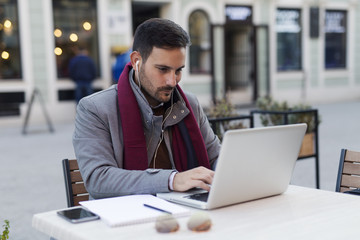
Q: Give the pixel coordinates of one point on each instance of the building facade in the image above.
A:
(300, 51)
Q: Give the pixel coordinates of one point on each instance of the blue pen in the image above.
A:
(155, 208)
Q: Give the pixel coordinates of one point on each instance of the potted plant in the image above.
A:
(226, 112)
(275, 113)
(5, 233)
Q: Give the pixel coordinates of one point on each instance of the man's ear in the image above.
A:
(135, 59)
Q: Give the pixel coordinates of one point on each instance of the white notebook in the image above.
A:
(126, 210)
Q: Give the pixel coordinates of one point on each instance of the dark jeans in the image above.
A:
(83, 88)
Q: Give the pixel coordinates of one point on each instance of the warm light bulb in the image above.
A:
(87, 26)
(57, 32)
(7, 23)
(5, 55)
(58, 51)
(73, 37)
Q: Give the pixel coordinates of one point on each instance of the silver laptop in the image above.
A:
(253, 163)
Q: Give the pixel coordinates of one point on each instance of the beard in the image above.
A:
(154, 95)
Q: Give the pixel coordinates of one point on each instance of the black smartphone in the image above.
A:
(77, 215)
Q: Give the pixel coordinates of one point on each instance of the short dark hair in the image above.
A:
(160, 33)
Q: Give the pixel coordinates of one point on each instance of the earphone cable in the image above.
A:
(138, 75)
(162, 130)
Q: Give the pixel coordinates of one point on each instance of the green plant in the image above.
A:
(268, 119)
(5, 233)
(223, 109)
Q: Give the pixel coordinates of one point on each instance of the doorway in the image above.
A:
(239, 64)
(142, 11)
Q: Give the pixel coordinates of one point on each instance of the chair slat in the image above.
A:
(350, 181)
(73, 164)
(344, 189)
(78, 199)
(78, 188)
(351, 168)
(352, 156)
(75, 177)
(74, 184)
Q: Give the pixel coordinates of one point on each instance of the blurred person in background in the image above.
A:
(82, 71)
(121, 60)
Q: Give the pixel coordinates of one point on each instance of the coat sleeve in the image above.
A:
(98, 149)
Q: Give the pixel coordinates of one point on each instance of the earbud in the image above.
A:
(137, 71)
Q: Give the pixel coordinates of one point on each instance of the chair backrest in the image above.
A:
(74, 185)
(349, 171)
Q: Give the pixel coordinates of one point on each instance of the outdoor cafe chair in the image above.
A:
(348, 179)
(74, 185)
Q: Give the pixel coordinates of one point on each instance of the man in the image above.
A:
(145, 135)
(119, 65)
(82, 71)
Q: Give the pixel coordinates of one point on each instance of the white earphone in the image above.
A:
(137, 71)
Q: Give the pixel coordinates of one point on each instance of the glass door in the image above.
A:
(262, 68)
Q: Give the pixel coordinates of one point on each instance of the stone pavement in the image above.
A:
(31, 178)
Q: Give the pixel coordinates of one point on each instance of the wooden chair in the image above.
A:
(74, 185)
(348, 179)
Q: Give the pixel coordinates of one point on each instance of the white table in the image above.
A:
(299, 213)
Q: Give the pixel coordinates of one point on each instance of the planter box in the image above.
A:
(307, 147)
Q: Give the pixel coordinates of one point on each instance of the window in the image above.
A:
(199, 28)
(10, 59)
(335, 39)
(75, 25)
(288, 29)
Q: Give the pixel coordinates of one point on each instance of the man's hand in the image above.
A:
(196, 177)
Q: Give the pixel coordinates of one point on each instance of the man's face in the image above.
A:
(160, 74)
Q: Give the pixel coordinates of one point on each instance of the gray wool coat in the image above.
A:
(98, 143)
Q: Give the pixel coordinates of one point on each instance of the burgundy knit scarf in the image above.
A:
(186, 155)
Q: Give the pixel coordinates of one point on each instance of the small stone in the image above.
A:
(166, 224)
(199, 222)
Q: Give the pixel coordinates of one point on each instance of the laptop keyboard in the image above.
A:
(199, 196)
